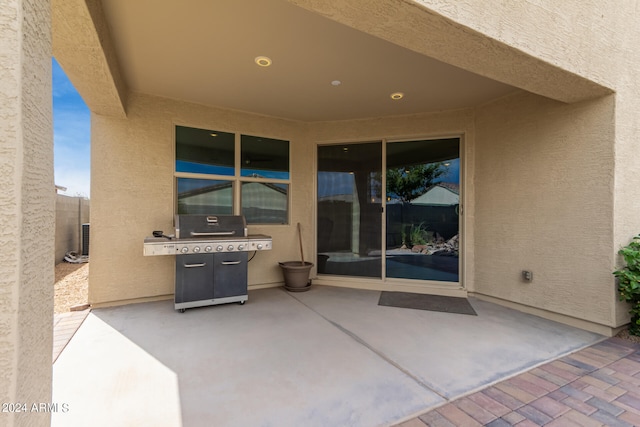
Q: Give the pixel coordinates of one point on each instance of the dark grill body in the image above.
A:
(208, 279)
(212, 277)
(211, 258)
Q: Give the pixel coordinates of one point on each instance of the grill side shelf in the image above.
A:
(158, 248)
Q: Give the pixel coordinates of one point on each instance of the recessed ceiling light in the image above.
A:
(397, 95)
(336, 83)
(263, 61)
(213, 134)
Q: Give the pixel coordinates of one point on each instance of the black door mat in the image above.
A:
(426, 302)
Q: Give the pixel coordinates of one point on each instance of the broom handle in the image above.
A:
(300, 240)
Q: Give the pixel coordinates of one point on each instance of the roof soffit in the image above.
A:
(203, 52)
(82, 46)
(419, 27)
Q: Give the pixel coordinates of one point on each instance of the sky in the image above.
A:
(71, 136)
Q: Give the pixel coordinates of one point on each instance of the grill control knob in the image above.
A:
(196, 249)
(219, 248)
(230, 247)
(259, 246)
(240, 247)
(184, 250)
(208, 249)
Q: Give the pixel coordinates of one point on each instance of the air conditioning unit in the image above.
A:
(85, 240)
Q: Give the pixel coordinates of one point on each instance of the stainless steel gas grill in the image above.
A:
(211, 258)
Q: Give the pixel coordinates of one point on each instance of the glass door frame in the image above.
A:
(460, 229)
(364, 166)
(384, 280)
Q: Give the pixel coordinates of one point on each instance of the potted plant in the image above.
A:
(296, 273)
(629, 282)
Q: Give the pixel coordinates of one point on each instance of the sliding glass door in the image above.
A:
(349, 209)
(407, 228)
(422, 210)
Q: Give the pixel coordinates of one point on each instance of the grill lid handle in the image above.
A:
(216, 233)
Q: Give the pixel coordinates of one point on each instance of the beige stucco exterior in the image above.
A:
(81, 35)
(26, 209)
(541, 189)
(537, 196)
(135, 156)
(550, 182)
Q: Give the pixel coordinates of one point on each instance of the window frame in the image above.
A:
(236, 179)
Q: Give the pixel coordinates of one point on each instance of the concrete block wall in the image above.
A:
(71, 213)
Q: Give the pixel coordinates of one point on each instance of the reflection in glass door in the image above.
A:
(349, 209)
(422, 209)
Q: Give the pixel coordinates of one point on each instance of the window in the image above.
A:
(226, 173)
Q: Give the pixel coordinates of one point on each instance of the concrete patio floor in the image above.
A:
(326, 357)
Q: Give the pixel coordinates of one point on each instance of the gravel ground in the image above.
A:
(624, 334)
(71, 287)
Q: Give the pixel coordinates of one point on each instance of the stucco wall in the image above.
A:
(575, 35)
(627, 145)
(544, 203)
(26, 208)
(537, 195)
(82, 44)
(71, 213)
(594, 39)
(132, 194)
(569, 51)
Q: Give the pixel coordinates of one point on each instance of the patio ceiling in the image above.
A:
(203, 52)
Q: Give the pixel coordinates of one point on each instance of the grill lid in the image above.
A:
(210, 226)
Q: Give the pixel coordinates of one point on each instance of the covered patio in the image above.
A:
(511, 124)
(542, 98)
(329, 356)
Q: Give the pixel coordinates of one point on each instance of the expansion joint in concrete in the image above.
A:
(372, 349)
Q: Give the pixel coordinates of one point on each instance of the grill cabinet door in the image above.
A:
(230, 274)
(194, 274)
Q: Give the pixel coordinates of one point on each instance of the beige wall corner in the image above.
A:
(627, 154)
(512, 43)
(26, 208)
(544, 203)
(82, 46)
